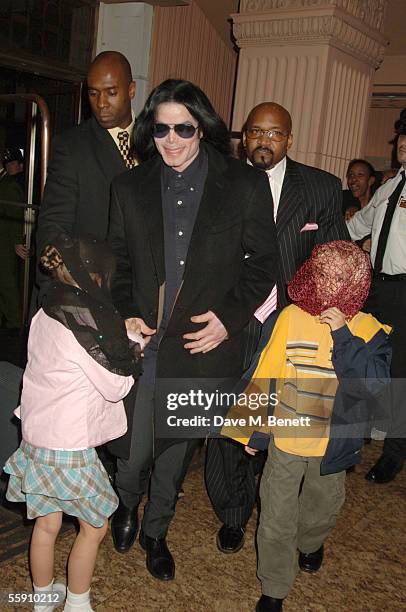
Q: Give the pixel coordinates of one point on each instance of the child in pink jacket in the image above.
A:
(80, 367)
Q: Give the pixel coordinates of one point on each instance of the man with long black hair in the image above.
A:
(196, 247)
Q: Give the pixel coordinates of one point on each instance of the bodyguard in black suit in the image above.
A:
(86, 158)
(196, 249)
(307, 207)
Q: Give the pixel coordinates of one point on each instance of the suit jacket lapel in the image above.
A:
(213, 193)
(291, 196)
(150, 188)
(106, 152)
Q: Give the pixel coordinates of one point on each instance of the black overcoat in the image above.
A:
(231, 266)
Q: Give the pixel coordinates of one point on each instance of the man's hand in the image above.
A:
(250, 451)
(366, 245)
(138, 326)
(333, 317)
(21, 251)
(208, 338)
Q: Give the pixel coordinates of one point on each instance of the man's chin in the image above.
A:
(106, 123)
(262, 164)
(263, 161)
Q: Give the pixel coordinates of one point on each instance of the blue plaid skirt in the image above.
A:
(74, 482)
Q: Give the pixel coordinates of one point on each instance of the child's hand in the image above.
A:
(137, 326)
(250, 451)
(333, 317)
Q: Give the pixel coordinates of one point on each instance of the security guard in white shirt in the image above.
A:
(385, 218)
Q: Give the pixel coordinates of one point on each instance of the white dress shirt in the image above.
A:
(276, 176)
(369, 220)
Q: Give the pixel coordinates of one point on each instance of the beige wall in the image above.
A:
(218, 13)
(389, 87)
(392, 71)
(186, 45)
(379, 133)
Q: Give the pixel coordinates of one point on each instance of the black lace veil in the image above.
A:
(87, 310)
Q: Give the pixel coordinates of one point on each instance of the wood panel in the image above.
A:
(185, 45)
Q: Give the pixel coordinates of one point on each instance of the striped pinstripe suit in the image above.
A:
(309, 196)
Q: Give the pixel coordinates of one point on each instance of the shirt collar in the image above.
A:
(277, 173)
(114, 132)
(189, 175)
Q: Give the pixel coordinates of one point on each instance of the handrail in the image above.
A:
(36, 102)
(45, 131)
(20, 204)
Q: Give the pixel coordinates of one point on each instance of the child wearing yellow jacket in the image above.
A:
(322, 360)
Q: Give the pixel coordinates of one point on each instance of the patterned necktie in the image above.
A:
(124, 148)
(387, 221)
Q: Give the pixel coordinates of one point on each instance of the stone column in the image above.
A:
(127, 27)
(317, 59)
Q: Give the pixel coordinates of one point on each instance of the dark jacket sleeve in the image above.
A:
(259, 439)
(259, 270)
(331, 221)
(61, 194)
(122, 281)
(362, 368)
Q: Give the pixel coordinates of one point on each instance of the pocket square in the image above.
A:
(309, 227)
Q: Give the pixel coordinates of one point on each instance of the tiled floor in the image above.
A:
(363, 571)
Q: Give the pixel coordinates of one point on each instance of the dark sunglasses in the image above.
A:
(184, 130)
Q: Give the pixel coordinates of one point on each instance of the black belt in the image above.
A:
(390, 277)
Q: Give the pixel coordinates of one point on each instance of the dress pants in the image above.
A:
(230, 471)
(290, 521)
(230, 480)
(164, 474)
(387, 302)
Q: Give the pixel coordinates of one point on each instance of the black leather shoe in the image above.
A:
(384, 470)
(311, 562)
(124, 527)
(160, 563)
(269, 604)
(230, 539)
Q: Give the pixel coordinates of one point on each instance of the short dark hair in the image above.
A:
(13, 154)
(366, 163)
(400, 124)
(199, 106)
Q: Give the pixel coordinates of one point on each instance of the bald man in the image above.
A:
(86, 158)
(307, 201)
(307, 209)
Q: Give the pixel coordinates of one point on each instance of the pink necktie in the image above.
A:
(271, 302)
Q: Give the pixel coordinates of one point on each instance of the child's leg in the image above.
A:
(42, 548)
(277, 556)
(320, 502)
(82, 558)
